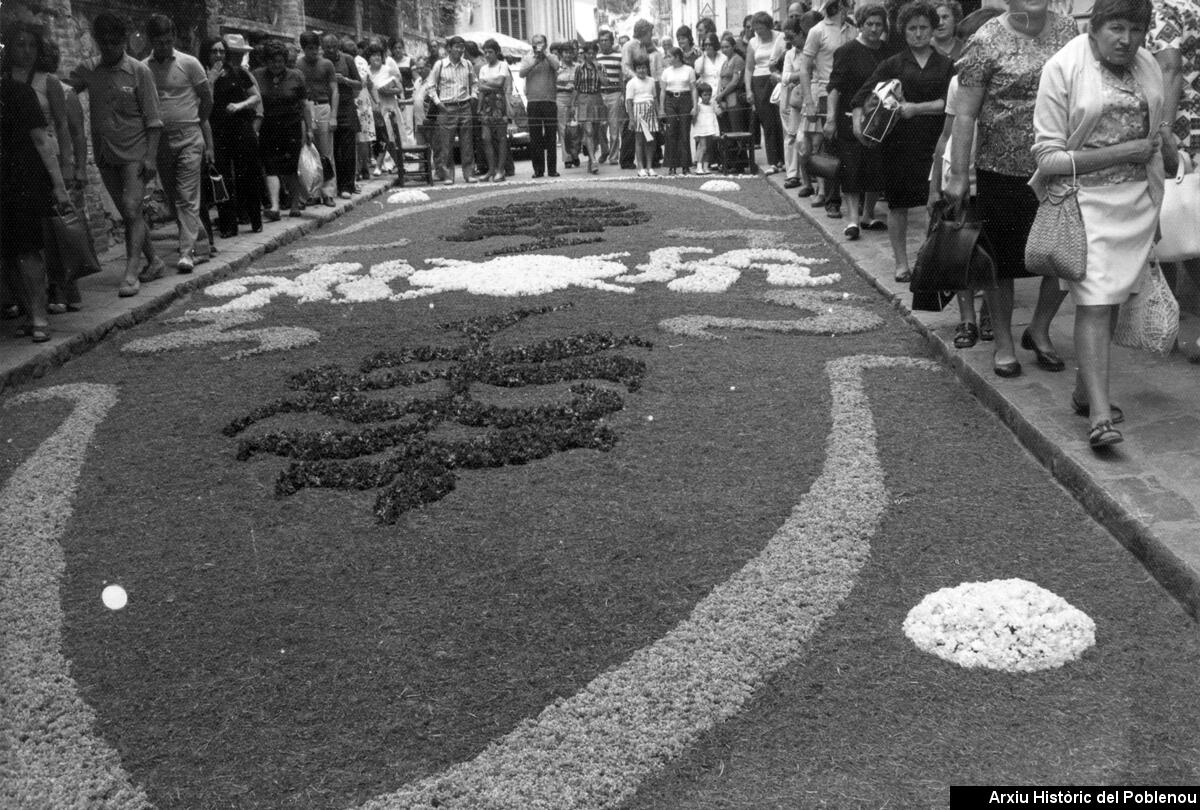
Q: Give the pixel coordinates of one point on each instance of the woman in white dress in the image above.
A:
(1099, 117)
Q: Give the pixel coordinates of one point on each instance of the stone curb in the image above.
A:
(214, 270)
(1176, 576)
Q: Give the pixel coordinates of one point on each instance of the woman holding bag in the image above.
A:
(286, 127)
(996, 92)
(1099, 118)
(31, 182)
(235, 99)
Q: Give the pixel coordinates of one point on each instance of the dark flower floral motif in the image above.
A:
(419, 468)
(548, 222)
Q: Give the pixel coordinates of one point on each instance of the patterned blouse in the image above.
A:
(1177, 25)
(1008, 66)
(1125, 118)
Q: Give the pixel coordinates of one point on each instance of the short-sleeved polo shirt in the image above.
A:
(124, 104)
(178, 78)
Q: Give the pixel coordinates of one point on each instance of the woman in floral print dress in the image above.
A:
(998, 80)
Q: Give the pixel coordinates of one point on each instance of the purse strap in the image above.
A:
(1068, 190)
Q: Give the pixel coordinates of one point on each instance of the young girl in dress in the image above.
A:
(641, 106)
(704, 127)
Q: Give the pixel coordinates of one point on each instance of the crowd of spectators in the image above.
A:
(974, 126)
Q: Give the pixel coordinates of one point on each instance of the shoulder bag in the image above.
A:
(1057, 243)
(1179, 222)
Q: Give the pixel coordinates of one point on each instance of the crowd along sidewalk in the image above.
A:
(102, 311)
(1146, 490)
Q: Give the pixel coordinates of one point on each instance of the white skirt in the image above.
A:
(1120, 221)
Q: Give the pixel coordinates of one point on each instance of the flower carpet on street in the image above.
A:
(579, 495)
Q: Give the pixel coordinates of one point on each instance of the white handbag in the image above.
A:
(1180, 217)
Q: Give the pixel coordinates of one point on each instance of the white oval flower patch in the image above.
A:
(1011, 625)
(408, 197)
(720, 185)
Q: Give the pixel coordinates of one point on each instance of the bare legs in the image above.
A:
(126, 187)
(897, 235)
(1000, 305)
(1094, 327)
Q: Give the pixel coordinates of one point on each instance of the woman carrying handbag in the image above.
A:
(1098, 117)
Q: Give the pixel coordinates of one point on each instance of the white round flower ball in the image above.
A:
(1011, 625)
(720, 185)
(114, 597)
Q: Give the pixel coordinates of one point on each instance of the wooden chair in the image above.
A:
(422, 156)
(735, 153)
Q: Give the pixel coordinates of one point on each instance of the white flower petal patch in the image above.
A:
(1011, 625)
(408, 197)
(832, 317)
(718, 186)
(219, 330)
(517, 275)
(716, 274)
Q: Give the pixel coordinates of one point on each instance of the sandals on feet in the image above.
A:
(1103, 435)
(1083, 409)
(966, 335)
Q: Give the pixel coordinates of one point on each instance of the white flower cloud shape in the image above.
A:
(517, 275)
(408, 197)
(1011, 625)
(720, 185)
(784, 268)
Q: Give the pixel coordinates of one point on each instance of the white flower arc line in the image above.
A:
(51, 755)
(832, 317)
(594, 749)
(457, 202)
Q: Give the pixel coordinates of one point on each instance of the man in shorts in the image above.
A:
(320, 82)
(125, 132)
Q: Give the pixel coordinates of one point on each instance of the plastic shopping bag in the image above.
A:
(310, 171)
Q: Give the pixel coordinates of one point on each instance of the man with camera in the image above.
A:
(540, 70)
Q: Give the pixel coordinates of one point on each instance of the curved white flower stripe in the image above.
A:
(784, 267)
(339, 282)
(833, 317)
(1007, 624)
(49, 753)
(592, 750)
(219, 330)
(480, 196)
(533, 274)
(327, 253)
(408, 197)
(755, 237)
(719, 186)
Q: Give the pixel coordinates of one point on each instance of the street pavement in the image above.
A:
(1146, 491)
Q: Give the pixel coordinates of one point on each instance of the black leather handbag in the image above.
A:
(956, 256)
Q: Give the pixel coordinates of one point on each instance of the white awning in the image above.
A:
(585, 19)
(510, 47)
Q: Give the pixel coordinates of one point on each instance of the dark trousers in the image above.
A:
(629, 146)
(677, 131)
(345, 156)
(543, 135)
(768, 118)
(238, 162)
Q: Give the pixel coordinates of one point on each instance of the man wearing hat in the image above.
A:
(452, 88)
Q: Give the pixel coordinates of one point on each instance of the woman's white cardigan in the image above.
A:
(1070, 101)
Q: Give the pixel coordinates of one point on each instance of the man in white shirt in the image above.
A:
(184, 103)
(815, 67)
(452, 86)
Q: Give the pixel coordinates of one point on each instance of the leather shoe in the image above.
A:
(1047, 360)
(1012, 369)
(792, 182)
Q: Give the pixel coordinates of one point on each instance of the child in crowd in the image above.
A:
(704, 127)
(641, 106)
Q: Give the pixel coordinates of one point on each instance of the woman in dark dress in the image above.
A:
(285, 128)
(907, 153)
(861, 172)
(232, 119)
(30, 185)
